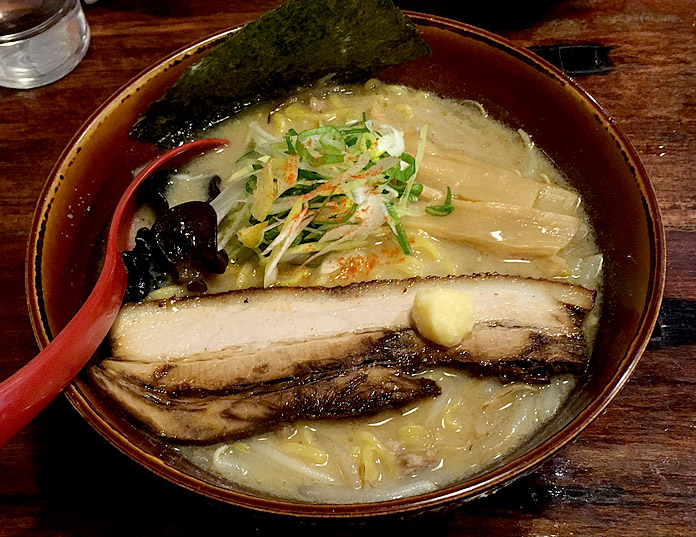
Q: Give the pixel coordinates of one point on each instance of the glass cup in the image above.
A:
(40, 41)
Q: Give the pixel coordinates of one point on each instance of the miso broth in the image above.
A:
(475, 422)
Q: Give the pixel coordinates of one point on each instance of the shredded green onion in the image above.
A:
(335, 221)
(288, 142)
(398, 229)
(419, 158)
(251, 184)
(248, 155)
(444, 209)
(335, 172)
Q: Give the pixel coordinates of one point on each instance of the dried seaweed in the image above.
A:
(285, 49)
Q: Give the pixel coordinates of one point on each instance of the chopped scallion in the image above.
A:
(250, 184)
(444, 209)
(291, 148)
(398, 229)
(249, 154)
(334, 221)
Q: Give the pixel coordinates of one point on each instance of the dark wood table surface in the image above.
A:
(631, 473)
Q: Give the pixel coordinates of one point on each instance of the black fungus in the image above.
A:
(187, 237)
(181, 247)
(146, 268)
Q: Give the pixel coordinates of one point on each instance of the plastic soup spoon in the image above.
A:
(29, 390)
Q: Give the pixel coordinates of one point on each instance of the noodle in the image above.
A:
(474, 423)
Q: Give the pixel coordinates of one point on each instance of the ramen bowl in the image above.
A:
(515, 87)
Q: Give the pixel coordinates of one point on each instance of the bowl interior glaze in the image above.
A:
(515, 87)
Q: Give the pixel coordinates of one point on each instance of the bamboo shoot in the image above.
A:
(512, 228)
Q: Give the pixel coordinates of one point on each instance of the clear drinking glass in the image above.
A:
(40, 41)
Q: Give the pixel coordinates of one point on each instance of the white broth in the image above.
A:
(475, 422)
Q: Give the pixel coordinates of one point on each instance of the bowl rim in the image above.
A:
(478, 486)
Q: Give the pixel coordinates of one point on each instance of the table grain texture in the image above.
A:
(631, 473)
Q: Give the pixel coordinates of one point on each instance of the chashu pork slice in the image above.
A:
(509, 353)
(524, 329)
(257, 318)
(205, 419)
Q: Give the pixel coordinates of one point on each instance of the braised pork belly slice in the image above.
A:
(509, 353)
(208, 418)
(249, 320)
(185, 367)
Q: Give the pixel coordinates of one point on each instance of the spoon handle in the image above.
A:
(29, 390)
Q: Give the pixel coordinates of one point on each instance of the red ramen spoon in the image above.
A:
(29, 390)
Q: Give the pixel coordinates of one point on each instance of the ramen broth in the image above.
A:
(475, 422)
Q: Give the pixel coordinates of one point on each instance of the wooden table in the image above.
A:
(631, 473)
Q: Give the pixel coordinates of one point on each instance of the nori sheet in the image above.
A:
(285, 49)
